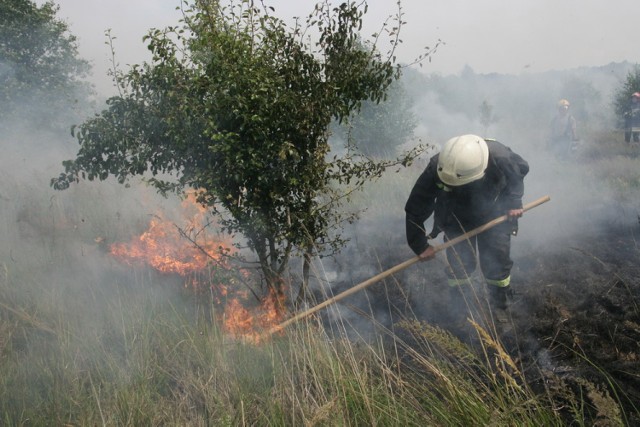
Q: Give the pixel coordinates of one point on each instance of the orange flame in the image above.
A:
(164, 247)
(240, 322)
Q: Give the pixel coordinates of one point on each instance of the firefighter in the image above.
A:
(632, 119)
(469, 183)
(563, 131)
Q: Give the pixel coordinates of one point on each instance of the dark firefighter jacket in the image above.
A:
(469, 205)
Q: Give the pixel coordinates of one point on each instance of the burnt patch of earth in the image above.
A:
(574, 318)
(577, 314)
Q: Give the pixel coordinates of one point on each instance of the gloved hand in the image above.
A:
(428, 254)
(514, 214)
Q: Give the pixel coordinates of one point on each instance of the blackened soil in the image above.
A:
(574, 319)
(577, 314)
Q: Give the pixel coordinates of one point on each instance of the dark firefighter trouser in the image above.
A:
(492, 246)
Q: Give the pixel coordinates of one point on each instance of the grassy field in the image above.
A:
(85, 340)
(119, 352)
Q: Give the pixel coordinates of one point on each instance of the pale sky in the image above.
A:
(503, 36)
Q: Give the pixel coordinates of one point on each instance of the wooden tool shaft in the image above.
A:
(401, 266)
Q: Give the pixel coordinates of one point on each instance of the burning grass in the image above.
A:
(207, 264)
(133, 346)
(89, 339)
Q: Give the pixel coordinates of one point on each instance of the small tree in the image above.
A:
(41, 75)
(236, 105)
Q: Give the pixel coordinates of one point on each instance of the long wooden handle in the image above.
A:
(400, 267)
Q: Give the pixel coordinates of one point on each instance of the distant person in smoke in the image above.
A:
(563, 131)
(470, 182)
(632, 119)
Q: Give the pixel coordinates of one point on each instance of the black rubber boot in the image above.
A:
(500, 299)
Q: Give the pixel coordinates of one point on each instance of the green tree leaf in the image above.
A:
(41, 75)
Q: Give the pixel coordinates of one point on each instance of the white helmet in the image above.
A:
(463, 159)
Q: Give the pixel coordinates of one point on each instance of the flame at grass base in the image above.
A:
(164, 248)
(250, 324)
